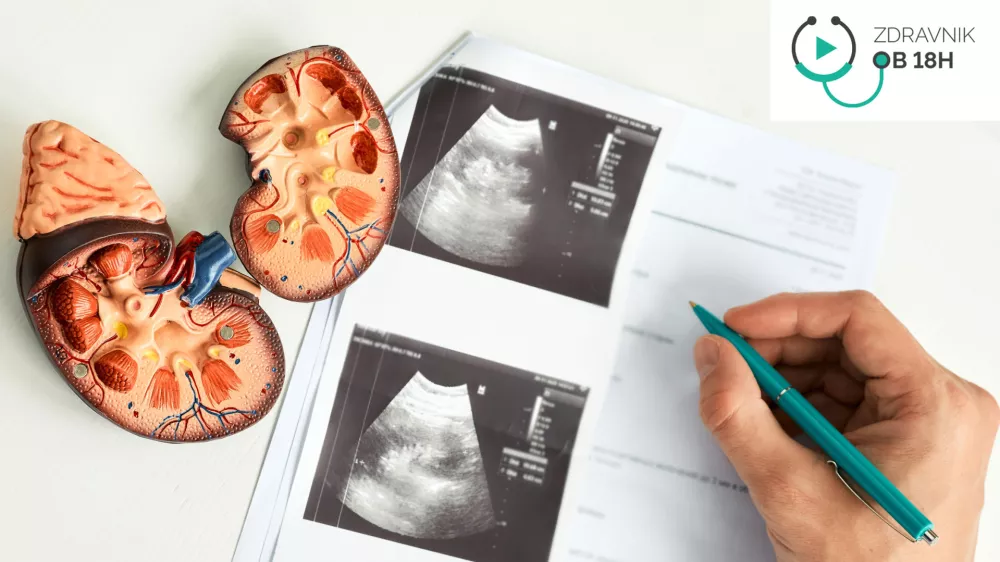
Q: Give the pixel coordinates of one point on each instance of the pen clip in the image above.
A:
(836, 470)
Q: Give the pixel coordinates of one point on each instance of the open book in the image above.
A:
(512, 378)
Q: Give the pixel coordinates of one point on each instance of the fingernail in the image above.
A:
(706, 356)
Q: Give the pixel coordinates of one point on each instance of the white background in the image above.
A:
(150, 80)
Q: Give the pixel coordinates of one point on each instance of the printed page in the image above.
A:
(721, 214)
(741, 215)
(468, 366)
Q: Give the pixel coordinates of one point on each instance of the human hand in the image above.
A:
(929, 431)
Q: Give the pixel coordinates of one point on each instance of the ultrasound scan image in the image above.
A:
(519, 183)
(418, 470)
(446, 452)
(479, 202)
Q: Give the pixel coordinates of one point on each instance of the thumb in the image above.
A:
(732, 409)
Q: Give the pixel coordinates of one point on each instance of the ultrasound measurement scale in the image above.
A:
(597, 197)
(530, 465)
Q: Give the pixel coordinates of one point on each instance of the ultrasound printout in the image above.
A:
(444, 451)
(520, 183)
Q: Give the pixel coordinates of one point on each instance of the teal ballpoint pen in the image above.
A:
(831, 441)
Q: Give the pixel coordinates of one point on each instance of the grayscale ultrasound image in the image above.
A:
(519, 183)
(418, 470)
(478, 203)
(444, 451)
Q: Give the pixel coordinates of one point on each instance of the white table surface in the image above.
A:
(150, 80)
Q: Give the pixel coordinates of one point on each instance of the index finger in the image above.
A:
(873, 338)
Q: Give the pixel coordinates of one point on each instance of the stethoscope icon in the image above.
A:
(881, 61)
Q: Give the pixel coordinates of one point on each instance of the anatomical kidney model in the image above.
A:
(324, 171)
(165, 342)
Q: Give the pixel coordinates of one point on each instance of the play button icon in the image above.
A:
(823, 48)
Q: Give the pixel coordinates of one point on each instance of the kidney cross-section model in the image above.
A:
(165, 341)
(324, 171)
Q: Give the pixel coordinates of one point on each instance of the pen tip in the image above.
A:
(692, 303)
